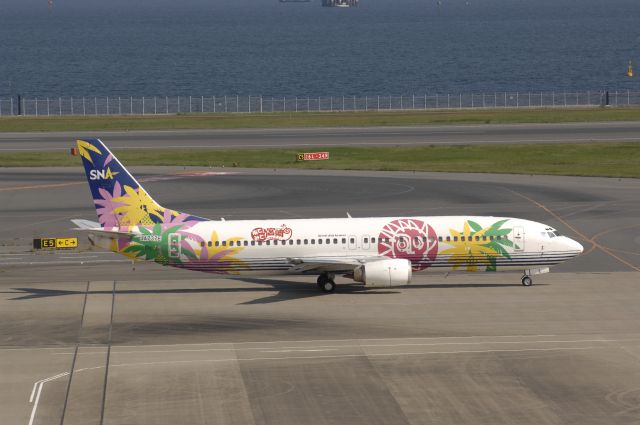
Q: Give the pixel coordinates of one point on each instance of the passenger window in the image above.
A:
(313, 241)
(490, 238)
(462, 238)
(246, 243)
(344, 240)
(290, 241)
(484, 238)
(448, 238)
(306, 241)
(335, 241)
(477, 238)
(366, 240)
(373, 240)
(224, 243)
(253, 243)
(328, 241)
(217, 243)
(298, 241)
(455, 239)
(319, 241)
(351, 240)
(268, 243)
(440, 238)
(259, 243)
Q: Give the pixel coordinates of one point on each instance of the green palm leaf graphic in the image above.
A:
(505, 242)
(492, 264)
(475, 226)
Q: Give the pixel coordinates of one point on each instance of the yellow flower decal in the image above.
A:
(476, 246)
(84, 148)
(138, 207)
(222, 258)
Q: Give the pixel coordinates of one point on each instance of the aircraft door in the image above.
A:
(365, 242)
(174, 246)
(518, 238)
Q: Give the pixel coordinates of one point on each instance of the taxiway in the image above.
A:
(88, 338)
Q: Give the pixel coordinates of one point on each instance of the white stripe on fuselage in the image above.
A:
(267, 246)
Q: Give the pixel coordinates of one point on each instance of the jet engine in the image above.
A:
(384, 273)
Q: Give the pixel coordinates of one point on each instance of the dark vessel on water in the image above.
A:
(339, 3)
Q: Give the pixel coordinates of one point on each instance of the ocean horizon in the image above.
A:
(268, 48)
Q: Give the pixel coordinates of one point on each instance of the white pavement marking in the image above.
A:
(337, 347)
(336, 356)
(60, 263)
(297, 351)
(39, 384)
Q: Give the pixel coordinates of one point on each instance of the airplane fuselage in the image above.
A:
(272, 247)
(375, 251)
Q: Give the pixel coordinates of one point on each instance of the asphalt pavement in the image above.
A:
(329, 137)
(86, 335)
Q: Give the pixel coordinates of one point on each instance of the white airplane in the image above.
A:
(377, 252)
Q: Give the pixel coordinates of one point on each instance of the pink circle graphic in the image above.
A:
(409, 238)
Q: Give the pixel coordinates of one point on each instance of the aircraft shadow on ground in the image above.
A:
(286, 290)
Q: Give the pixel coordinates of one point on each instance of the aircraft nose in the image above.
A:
(574, 246)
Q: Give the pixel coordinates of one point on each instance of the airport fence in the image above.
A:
(164, 105)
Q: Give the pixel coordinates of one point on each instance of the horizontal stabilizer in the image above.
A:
(93, 227)
(85, 224)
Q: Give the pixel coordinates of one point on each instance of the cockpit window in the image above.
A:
(550, 233)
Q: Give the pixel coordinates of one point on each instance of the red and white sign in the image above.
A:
(313, 156)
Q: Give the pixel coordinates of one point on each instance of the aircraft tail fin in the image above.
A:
(118, 197)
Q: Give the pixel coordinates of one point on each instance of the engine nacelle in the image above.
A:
(384, 273)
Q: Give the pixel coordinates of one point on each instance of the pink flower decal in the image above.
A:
(107, 160)
(105, 206)
(408, 238)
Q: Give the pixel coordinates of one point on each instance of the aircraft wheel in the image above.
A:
(328, 286)
(527, 281)
(322, 279)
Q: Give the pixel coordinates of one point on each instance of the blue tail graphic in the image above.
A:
(119, 199)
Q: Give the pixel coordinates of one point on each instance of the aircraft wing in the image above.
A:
(329, 264)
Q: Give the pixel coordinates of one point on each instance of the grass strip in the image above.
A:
(315, 119)
(591, 159)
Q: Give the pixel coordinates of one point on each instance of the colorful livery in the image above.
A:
(377, 252)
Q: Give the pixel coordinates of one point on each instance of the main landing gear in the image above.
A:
(526, 280)
(326, 283)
